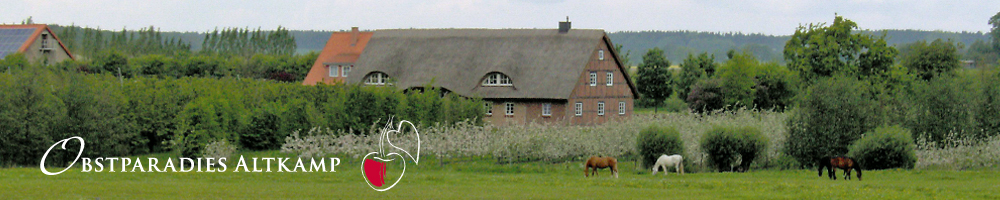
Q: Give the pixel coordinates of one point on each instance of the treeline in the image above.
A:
(87, 41)
(246, 42)
(126, 116)
(678, 44)
(305, 40)
(840, 86)
(285, 68)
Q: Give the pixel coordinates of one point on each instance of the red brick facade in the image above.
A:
(563, 111)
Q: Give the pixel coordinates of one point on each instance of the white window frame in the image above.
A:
(610, 79)
(579, 109)
(593, 78)
(345, 70)
(497, 79)
(45, 42)
(600, 54)
(377, 78)
(621, 107)
(547, 109)
(600, 108)
(489, 108)
(332, 71)
(509, 109)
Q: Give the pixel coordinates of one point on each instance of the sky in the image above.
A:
(772, 17)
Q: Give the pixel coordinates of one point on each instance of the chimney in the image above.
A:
(354, 36)
(564, 26)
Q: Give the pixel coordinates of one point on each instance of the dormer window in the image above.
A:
(376, 78)
(332, 70)
(346, 70)
(497, 79)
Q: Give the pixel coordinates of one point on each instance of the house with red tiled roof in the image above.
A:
(36, 41)
(338, 57)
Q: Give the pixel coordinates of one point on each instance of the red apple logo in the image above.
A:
(374, 168)
(374, 172)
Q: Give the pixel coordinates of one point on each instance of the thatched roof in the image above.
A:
(542, 63)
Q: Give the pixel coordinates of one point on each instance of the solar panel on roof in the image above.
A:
(12, 39)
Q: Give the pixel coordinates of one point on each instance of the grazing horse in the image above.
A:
(842, 162)
(601, 163)
(665, 161)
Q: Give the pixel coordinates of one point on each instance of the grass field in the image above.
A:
(479, 178)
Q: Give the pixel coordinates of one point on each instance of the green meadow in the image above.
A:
(481, 178)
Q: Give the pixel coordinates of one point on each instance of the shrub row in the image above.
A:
(122, 116)
(655, 141)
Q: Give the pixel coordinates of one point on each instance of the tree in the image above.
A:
(694, 69)
(995, 31)
(624, 58)
(823, 51)
(738, 79)
(653, 78)
(931, 60)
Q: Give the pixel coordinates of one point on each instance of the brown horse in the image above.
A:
(601, 163)
(842, 162)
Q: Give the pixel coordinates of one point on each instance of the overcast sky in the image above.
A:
(775, 17)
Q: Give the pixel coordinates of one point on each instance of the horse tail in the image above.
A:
(680, 166)
(857, 167)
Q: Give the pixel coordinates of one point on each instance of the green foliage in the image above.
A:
(145, 114)
(832, 114)
(738, 82)
(824, 51)
(884, 148)
(654, 141)
(653, 79)
(775, 87)
(988, 117)
(13, 61)
(942, 106)
(995, 30)
(246, 42)
(706, 96)
(982, 53)
(939, 58)
(694, 69)
(725, 145)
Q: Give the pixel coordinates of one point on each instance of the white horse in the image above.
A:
(666, 161)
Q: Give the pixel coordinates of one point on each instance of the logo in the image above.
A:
(374, 169)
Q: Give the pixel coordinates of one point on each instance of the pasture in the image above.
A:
(483, 178)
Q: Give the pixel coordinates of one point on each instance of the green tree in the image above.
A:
(653, 78)
(693, 69)
(624, 57)
(738, 80)
(995, 31)
(823, 51)
(931, 60)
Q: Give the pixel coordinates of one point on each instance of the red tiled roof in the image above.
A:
(338, 49)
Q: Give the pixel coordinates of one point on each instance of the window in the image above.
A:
(489, 108)
(45, 42)
(579, 109)
(611, 79)
(593, 78)
(621, 107)
(600, 54)
(547, 109)
(509, 108)
(600, 108)
(376, 78)
(346, 70)
(333, 71)
(497, 79)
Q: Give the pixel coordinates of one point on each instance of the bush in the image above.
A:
(832, 114)
(988, 117)
(706, 96)
(774, 87)
(884, 148)
(655, 141)
(724, 145)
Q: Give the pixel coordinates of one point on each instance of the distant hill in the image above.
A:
(676, 44)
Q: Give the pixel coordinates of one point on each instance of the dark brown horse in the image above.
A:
(601, 163)
(842, 162)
